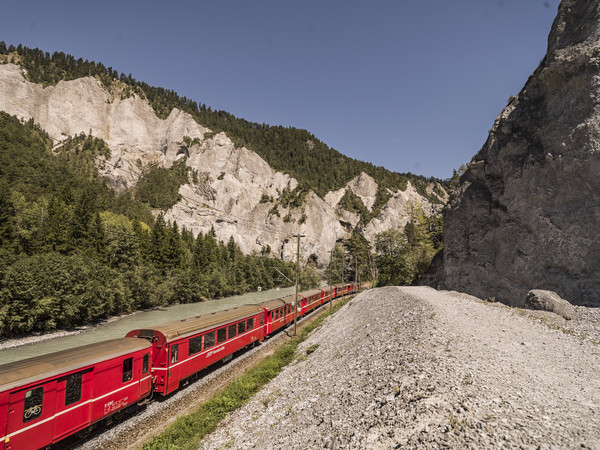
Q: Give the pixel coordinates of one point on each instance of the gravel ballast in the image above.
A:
(416, 367)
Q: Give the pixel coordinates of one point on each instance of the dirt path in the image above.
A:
(415, 367)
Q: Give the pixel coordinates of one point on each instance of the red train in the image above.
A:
(48, 398)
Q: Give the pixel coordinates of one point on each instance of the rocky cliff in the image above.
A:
(526, 213)
(235, 190)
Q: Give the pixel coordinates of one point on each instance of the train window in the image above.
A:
(262, 320)
(281, 313)
(221, 335)
(174, 353)
(145, 363)
(33, 404)
(209, 339)
(73, 393)
(127, 369)
(275, 314)
(231, 332)
(195, 345)
(249, 324)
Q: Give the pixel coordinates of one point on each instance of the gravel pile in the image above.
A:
(416, 367)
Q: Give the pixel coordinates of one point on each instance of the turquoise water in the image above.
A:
(117, 328)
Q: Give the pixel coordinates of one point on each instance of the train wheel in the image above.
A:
(83, 434)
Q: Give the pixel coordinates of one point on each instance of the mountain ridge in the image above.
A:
(266, 140)
(138, 138)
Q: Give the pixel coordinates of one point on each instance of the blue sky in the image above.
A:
(411, 85)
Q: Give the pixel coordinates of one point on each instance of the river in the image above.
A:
(118, 327)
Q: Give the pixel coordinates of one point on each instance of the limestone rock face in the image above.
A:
(396, 213)
(231, 182)
(526, 213)
(365, 187)
(129, 126)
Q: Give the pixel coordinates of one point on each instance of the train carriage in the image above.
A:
(279, 313)
(184, 347)
(311, 299)
(47, 398)
(327, 295)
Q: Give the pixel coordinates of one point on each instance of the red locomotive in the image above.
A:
(48, 398)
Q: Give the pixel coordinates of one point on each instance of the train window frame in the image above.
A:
(127, 370)
(174, 353)
(209, 340)
(74, 384)
(221, 335)
(249, 324)
(146, 363)
(241, 327)
(232, 331)
(34, 399)
(195, 345)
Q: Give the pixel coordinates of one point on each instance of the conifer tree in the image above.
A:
(7, 213)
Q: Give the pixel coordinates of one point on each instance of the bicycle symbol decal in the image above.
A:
(33, 412)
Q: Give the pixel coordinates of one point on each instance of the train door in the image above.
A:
(73, 407)
(145, 378)
(30, 413)
(173, 368)
(270, 315)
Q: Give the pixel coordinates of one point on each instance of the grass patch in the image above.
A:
(187, 432)
(312, 348)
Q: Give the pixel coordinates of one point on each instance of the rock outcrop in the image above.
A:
(526, 213)
(231, 185)
(549, 301)
(396, 213)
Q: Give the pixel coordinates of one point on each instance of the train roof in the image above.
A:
(31, 370)
(279, 302)
(311, 292)
(183, 327)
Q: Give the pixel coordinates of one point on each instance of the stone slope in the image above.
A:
(231, 181)
(527, 211)
(413, 367)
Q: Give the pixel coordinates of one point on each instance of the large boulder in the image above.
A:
(549, 301)
(526, 212)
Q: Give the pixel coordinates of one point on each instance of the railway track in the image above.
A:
(138, 428)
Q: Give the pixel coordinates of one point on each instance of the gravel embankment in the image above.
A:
(416, 367)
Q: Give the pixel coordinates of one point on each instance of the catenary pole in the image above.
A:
(297, 278)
